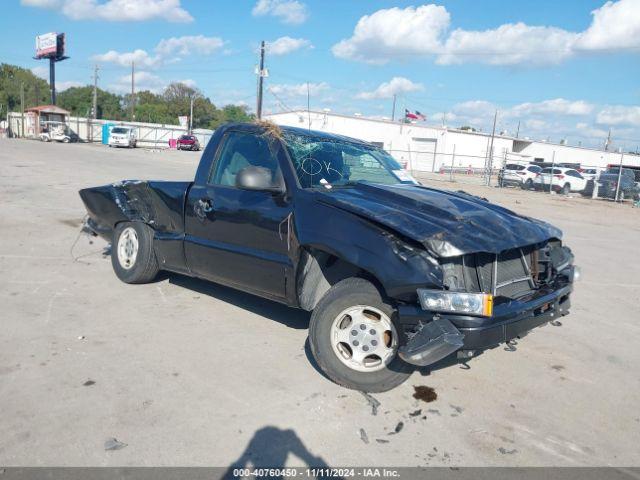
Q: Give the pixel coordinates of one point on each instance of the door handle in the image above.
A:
(206, 205)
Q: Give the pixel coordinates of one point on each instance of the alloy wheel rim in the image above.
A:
(364, 338)
(128, 248)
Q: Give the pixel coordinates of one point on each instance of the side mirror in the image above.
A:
(260, 179)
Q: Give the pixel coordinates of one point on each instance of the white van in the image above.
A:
(121, 136)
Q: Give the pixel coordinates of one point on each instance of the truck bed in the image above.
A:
(159, 204)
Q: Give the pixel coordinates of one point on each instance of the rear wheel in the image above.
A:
(132, 255)
(566, 189)
(528, 185)
(354, 339)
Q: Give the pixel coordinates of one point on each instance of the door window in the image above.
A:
(241, 150)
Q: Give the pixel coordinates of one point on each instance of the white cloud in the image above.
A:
(62, 86)
(285, 45)
(166, 51)
(42, 72)
(41, 3)
(508, 44)
(189, 44)
(615, 25)
(397, 85)
(140, 57)
(619, 115)
(556, 106)
(143, 81)
(299, 90)
(395, 33)
(117, 10)
(188, 82)
(292, 12)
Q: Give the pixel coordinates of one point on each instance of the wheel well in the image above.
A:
(318, 271)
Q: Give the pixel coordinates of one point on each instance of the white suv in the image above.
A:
(518, 175)
(123, 137)
(563, 180)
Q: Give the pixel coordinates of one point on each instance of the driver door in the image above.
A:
(234, 236)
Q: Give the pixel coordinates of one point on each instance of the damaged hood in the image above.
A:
(447, 223)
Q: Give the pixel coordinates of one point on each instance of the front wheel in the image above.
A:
(132, 255)
(354, 339)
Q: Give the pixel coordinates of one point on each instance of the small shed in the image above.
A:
(37, 116)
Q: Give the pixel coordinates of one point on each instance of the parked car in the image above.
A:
(123, 137)
(394, 273)
(518, 175)
(608, 184)
(590, 173)
(188, 142)
(57, 132)
(563, 180)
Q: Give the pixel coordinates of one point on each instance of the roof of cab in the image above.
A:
(297, 131)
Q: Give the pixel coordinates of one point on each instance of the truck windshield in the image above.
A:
(328, 162)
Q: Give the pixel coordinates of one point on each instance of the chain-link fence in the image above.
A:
(149, 135)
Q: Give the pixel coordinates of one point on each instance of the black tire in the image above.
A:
(344, 294)
(144, 268)
(566, 189)
(528, 185)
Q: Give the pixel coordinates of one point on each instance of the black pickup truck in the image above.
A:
(396, 274)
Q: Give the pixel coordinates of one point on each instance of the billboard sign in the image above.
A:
(46, 45)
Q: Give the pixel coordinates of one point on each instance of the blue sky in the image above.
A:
(567, 69)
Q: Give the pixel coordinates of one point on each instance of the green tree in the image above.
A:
(79, 101)
(36, 90)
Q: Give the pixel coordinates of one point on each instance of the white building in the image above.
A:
(433, 149)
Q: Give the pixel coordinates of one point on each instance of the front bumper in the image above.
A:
(441, 334)
(119, 142)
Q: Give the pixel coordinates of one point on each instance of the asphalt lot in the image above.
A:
(190, 373)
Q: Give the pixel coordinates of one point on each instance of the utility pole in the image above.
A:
(260, 82)
(95, 92)
(190, 114)
(133, 92)
(490, 159)
(518, 130)
(22, 107)
(393, 109)
(619, 176)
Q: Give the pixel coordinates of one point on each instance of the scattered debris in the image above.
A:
(456, 408)
(557, 368)
(81, 337)
(415, 413)
(147, 403)
(371, 401)
(424, 393)
(399, 427)
(504, 451)
(434, 411)
(88, 383)
(381, 440)
(363, 436)
(114, 444)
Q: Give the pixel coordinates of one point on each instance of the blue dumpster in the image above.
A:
(106, 131)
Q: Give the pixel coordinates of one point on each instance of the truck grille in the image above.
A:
(509, 274)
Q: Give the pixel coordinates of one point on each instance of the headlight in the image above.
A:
(456, 302)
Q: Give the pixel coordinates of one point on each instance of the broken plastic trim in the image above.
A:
(432, 342)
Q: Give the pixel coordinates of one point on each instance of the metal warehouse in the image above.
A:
(433, 149)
